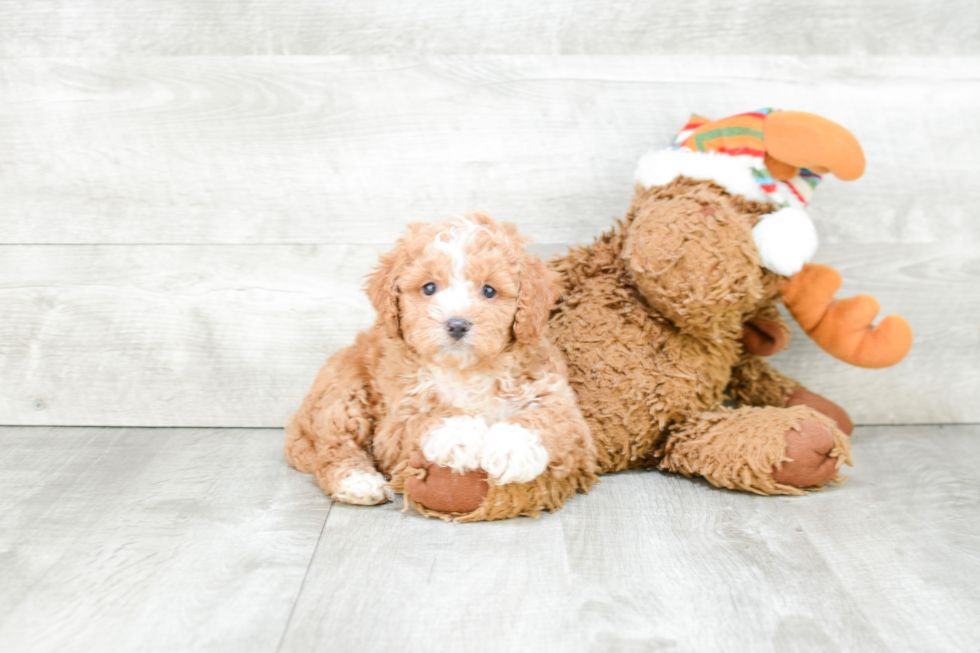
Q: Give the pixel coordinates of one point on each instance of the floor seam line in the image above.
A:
(306, 574)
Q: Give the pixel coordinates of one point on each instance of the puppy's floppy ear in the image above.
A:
(537, 294)
(382, 288)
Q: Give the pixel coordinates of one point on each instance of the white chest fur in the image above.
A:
(475, 393)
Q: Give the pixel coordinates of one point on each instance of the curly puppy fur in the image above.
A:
(651, 322)
(457, 366)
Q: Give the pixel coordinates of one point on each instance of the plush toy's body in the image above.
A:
(663, 316)
(645, 359)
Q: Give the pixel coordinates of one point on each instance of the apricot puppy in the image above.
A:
(457, 371)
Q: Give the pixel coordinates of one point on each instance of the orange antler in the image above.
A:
(796, 139)
(844, 328)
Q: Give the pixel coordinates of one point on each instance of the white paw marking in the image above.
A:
(456, 443)
(362, 489)
(513, 454)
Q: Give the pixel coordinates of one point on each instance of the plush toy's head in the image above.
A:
(775, 157)
(719, 223)
(688, 247)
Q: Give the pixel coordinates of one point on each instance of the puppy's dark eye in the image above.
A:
(429, 288)
(489, 292)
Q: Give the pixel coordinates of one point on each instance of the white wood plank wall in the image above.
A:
(191, 192)
(81, 28)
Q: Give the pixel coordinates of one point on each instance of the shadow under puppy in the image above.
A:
(457, 367)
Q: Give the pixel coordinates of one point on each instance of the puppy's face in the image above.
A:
(462, 290)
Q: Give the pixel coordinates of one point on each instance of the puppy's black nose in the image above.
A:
(457, 327)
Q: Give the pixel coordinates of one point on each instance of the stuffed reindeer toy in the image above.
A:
(677, 304)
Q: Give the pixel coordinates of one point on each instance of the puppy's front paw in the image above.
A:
(513, 454)
(361, 488)
(456, 443)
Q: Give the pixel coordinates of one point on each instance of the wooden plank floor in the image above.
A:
(204, 540)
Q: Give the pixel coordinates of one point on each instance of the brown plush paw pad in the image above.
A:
(803, 397)
(808, 447)
(444, 490)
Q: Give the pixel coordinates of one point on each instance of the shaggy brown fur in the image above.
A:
(379, 401)
(651, 322)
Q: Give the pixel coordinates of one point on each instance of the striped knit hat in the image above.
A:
(731, 153)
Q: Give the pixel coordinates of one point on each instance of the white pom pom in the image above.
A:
(786, 240)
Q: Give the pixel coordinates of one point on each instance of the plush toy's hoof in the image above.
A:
(803, 397)
(444, 490)
(808, 447)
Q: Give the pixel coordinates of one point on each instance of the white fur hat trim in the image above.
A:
(733, 173)
(786, 240)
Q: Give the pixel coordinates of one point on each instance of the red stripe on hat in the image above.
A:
(797, 193)
(694, 123)
(739, 151)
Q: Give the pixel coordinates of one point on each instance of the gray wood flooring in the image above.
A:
(204, 540)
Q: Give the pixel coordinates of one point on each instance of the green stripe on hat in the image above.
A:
(721, 132)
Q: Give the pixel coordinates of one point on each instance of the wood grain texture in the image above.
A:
(385, 580)
(38, 28)
(173, 335)
(937, 289)
(150, 540)
(203, 540)
(233, 335)
(349, 149)
(888, 561)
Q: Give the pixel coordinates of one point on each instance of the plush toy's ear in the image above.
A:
(844, 328)
(538, 293)
(761, 337)
(382, 288)
(796, 139)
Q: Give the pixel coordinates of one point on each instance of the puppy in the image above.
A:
(457, 371)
